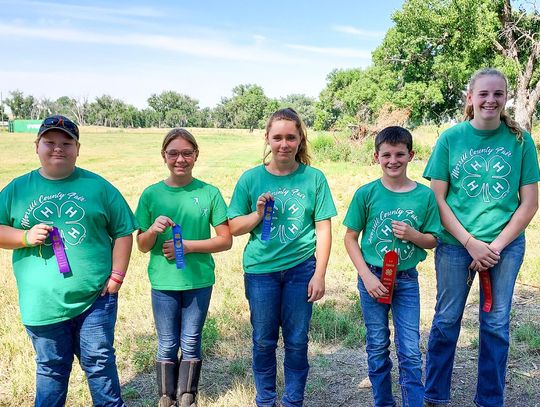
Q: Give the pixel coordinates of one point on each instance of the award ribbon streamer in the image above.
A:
(485, 282)
(388, 273)
(178, 247)
(267, 220)
(59, 251)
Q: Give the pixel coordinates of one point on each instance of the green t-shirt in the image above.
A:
(301, 199)
(484, 169)
(374, 207)
(194, 207)
(90, 214)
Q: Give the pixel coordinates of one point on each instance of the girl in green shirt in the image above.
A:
(181, 296)
(484, 173)
(284, 275)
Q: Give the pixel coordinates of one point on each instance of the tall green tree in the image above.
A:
(304, 105)
(21, 106)
(175, 109)
(436, 45)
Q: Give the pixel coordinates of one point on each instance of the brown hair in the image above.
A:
(468, 112)
(178, 133)
(302, 155)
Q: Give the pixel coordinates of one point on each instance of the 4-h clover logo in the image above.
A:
(486, 177)
(66, 218)
(387, 240)
(287, 219)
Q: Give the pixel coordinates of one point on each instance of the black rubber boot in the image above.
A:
(188, 382)
(167, 377)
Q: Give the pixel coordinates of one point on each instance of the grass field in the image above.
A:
(131, 160)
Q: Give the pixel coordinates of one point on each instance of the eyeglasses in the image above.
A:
(59, 122)
(174, 154)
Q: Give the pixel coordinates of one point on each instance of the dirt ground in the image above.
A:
(338, 375)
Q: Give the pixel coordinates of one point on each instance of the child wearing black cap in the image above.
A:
(71, 234)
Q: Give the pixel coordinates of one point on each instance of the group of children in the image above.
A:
(483, 173)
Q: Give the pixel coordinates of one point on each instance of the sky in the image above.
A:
(132, 49)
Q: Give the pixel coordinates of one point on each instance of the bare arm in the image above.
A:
(316, 286)
(528, 195)
(146, 240)
(246, 223)
(479, 251)
(120, 260)
(12, 238)
(219, 243)
(404, 231)
(373, 285)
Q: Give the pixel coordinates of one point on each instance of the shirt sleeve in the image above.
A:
(356, 218)
(324, 204)
(432, 221)
(121, 219)
(142, 213)
(219, 209)
(6, 195)
(437, 166)
(529, 168)
(240, 200)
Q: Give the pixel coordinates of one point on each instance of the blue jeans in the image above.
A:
(179, 317)
(406, 317)
(451, 264)
(90, 337)
(280, 299)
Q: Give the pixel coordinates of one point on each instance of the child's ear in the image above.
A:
(411, 155)
(376, 156)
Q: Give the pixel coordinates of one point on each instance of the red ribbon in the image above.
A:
(485, 283)
(388, 275)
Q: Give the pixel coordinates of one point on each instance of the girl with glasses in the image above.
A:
(180, 296)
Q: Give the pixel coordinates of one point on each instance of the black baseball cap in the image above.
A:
(61, 123)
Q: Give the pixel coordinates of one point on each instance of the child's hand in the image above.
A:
(168, 249)
(403, 230)
(315, 288)
(261, 201)
(161, 224)
(373, 285)
(483, 255)
(38, 234)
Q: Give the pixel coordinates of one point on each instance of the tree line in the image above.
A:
(419, 70)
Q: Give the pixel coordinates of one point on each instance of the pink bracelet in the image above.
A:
(120, 273)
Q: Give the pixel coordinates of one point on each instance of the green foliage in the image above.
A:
(305, 106)
(175, 109)
(529, 333)
(427, 57)
(247, 109)
(21, 106)
(210, 336)
(143, 352)
(332, 324)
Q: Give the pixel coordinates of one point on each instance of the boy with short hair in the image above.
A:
(393, 213)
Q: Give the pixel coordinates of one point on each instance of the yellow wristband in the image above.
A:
(25, 241)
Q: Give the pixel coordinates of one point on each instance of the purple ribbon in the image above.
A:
(59, 251)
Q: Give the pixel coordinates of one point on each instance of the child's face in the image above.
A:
(284, 140)
(488, 98)
(57, 153)
(394, 159)
(180, 157)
